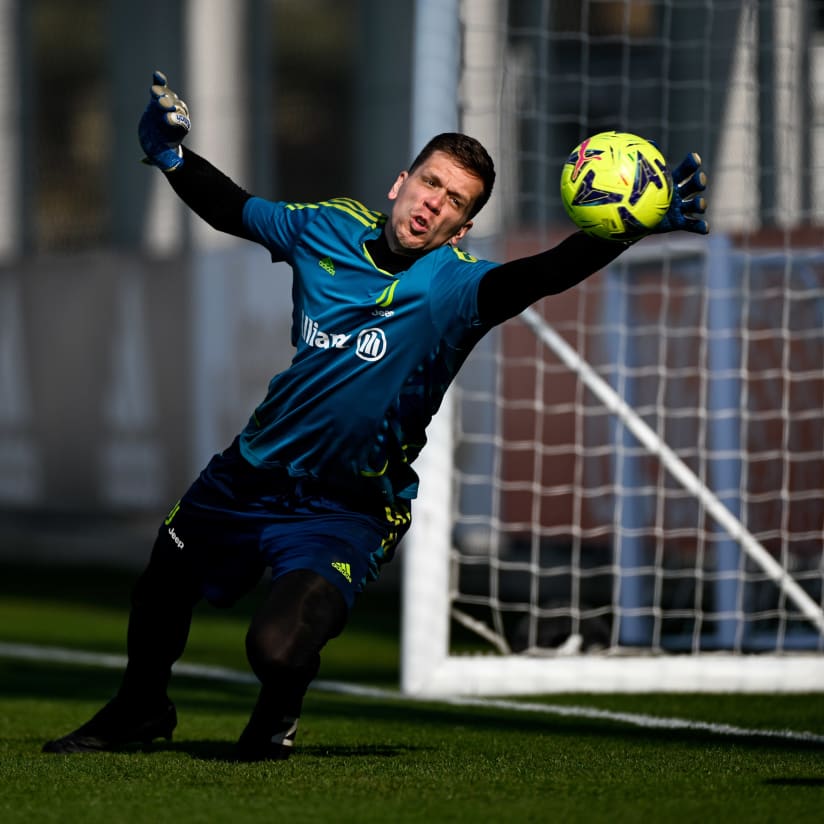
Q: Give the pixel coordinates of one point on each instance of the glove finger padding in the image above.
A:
(164, 124)
(694, 206)
(688, 180)
(689, 177)
(690, 164)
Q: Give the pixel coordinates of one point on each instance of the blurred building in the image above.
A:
(134, 341)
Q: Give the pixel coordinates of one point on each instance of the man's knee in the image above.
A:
(301, 613)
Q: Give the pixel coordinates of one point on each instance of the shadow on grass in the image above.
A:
(56, 683)
(211, 750)
(59, 682)
(81, 584)
(111, 587)
(224, 750)
(367, 651)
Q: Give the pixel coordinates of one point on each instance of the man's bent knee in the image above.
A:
(301, 613)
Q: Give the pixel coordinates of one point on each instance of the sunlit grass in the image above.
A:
(372, 760)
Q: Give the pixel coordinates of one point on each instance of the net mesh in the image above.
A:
(567, 532)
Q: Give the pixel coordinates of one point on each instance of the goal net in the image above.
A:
(625, 489)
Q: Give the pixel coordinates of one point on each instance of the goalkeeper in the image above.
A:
(318, 486)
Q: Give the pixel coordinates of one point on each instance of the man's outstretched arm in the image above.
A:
(508, 289)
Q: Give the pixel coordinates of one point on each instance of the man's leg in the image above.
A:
(301, 613)
(159, 621)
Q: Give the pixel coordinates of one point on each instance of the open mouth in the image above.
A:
(419, 224)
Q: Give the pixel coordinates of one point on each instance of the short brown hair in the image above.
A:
(467, 153)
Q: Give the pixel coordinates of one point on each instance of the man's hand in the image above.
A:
(688, 180)
(164, 124)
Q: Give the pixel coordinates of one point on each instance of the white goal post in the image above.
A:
(431, 594)
(625, 492)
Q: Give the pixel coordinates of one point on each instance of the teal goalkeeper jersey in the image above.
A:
(375, 352)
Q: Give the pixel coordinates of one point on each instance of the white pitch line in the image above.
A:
(69, 656)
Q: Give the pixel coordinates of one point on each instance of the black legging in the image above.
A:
(302, 611)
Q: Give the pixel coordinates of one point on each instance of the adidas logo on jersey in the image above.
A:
(344, 569)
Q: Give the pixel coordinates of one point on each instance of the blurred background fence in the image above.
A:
(134, 341)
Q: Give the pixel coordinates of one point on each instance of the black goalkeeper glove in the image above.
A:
(688, 180)
(164, 124)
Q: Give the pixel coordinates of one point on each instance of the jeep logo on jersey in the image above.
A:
(371, 344)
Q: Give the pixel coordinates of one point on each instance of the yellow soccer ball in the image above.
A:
(616, 185)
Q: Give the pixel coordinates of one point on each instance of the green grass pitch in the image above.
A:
(378, 759)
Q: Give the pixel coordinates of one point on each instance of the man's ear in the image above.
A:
(459, 235)
(396, 186)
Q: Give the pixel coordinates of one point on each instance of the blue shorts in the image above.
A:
(236, 520)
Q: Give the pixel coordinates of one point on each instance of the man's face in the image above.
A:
(432, 205)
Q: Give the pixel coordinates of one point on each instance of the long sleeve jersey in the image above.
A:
(378, 337)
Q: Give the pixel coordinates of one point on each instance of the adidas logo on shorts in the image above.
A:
(344, 570)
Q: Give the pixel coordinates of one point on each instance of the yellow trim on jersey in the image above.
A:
(357, 210)
(385, 297)
(372, 473)
(397, 515)
(464, 256)
(377, 268)
(298, 206)
(353, 208)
